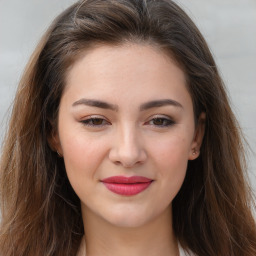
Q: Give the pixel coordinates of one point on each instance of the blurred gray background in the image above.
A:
(229, 28)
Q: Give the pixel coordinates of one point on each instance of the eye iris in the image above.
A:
(159, 121)
(97, 121)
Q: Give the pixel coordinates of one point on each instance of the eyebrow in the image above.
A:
(143, 107)
(160, 103)
(95, 103)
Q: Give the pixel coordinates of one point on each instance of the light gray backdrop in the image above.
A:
(229, 27)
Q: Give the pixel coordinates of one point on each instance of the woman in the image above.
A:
(122, 141)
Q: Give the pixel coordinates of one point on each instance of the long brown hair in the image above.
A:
(41, 214)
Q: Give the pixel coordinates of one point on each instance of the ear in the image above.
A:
(198, 137)
(54, 142)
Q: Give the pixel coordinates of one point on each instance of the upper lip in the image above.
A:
(126, 180)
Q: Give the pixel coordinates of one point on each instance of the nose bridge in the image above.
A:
(128, 140)
(128, 148)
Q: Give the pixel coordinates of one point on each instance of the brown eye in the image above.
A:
(98, 122)
(161, 122)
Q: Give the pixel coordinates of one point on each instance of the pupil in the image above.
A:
(97, 121)
(158, 121)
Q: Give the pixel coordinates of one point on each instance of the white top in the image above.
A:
(182, 253)
(82, 250)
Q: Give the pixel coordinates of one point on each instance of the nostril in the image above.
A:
(127, 153)
(117, 162)
(128, 165)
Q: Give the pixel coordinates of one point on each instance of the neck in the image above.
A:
(153, 238)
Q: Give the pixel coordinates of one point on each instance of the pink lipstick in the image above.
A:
(127, 186)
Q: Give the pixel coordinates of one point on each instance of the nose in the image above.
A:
(128, 149)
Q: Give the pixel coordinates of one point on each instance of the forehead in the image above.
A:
(128, 69)
(96, 56)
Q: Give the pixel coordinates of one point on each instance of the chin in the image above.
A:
(128, 222)
(128, 218)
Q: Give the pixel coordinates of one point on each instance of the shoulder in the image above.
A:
(82, 248)
(183, 253)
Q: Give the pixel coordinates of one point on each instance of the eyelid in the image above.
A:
(85, 121)
(164, 117)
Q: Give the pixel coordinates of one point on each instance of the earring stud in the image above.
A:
(194, 152)
(59, 153)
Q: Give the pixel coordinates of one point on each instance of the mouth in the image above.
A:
(127, 186)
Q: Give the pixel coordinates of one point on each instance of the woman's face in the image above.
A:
(126, 131)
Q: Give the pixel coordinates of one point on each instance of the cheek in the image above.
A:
(171, 159)
(82, 156)
(77, 149)
(82, 159)
(173, 150)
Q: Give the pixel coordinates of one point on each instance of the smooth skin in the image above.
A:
(126, 111)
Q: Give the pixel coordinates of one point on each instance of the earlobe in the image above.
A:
(54, 142)
(198, 137)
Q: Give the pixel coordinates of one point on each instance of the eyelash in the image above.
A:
(91, 122)
(166, 122)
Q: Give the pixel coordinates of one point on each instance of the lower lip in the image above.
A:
(127, 189)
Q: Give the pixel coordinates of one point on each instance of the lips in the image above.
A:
(127, 186)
